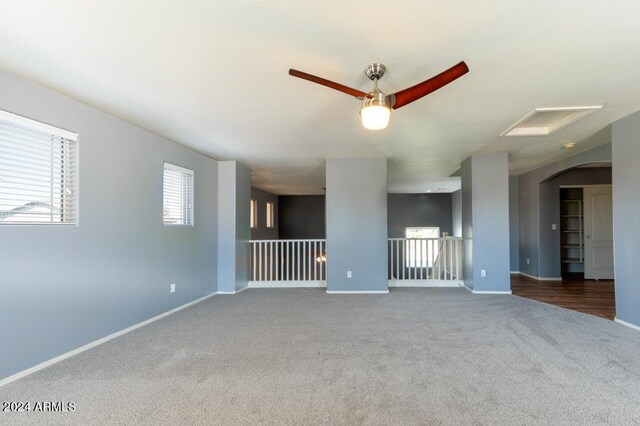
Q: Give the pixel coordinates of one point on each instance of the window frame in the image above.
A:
(253, 213)
(270, 215)
(73, 158)
(185, 171)
(411, 257)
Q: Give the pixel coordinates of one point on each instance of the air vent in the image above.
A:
(545, 121)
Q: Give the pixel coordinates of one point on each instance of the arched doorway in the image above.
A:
(574, 220)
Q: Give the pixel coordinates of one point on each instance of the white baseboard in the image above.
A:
(287, 284)
(241, 289)
(514, 272)
(358, 292)
(627, 324)
(95, 343)
(226, 292)
(533, 277)
(426, 283)
(486, 292)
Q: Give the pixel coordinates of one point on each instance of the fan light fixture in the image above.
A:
(375, 111)
(376, 106)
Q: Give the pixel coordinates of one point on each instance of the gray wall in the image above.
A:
(357, 224)
(514, 223)
(550, 266)
(530, 207)
(301, 217)
(262, 232)
(243, 229)
(466, 192)
(456, 213)
(406, 210)
(62, 287)
(234, 191)
(485, 180)
(626, 217)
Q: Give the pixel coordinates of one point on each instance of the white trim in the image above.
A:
(426, 283)
(533, 277)
(171, 166)
(486, 292)
(594, 185)
(528, 275)
(36, 125)
(95, 343)
(240, 290)
(287, 284)
(627, 324)
(358, 292)
(514, 272)
(575, 114)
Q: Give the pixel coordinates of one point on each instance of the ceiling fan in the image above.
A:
(376, 106)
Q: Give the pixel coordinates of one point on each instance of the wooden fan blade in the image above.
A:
(331, 84)
(416, 92)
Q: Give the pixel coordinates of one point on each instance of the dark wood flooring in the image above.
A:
(588, 296)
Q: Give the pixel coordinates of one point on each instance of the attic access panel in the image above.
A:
(545, 121)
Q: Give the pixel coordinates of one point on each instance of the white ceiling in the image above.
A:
(212, 75)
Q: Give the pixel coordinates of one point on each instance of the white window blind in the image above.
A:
(38, 172)
(177, 195)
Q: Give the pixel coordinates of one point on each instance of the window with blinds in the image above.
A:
(38, 172)
(177, 195)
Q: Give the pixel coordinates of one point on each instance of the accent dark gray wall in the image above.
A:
(357, 224)
(301, 217)
(456, 213)
(234, 192)
(514, 223)
(62, 287)
(262, 232)
(407, 210)
(485, 180)
(530, 206)
(626, 217)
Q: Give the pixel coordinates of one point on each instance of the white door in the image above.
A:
(598, 232)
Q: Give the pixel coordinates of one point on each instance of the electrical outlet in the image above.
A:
(483, 273)
(349, 275)
(173, 288)
(527, 261)
(553, 227)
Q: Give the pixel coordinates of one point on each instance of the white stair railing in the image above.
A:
(425, 259)
(287, 263)
(303, 263)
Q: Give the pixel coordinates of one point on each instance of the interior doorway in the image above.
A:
(576, 233)
(586, 232)
(598, 238)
